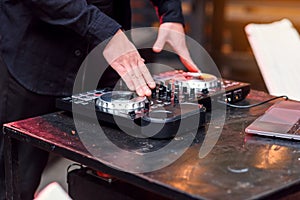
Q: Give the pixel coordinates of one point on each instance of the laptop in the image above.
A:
(280, 120)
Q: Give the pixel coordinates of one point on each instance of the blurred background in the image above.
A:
(218, 25)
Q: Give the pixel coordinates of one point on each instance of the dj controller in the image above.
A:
(178, 104)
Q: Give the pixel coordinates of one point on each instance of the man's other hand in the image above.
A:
(173, 34)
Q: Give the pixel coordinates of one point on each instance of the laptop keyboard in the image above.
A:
(295, 128)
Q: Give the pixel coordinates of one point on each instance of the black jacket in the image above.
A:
(43, 42)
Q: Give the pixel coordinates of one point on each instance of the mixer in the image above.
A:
(178, 104)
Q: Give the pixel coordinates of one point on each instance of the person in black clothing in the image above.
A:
(42, 45)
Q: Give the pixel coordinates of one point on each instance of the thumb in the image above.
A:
(159, 44)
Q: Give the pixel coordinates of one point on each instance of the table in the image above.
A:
(240, 166)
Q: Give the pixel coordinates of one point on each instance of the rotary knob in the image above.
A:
(161, 92)
(153, 93)
(205, 91)
(169, 96)
(176, 99)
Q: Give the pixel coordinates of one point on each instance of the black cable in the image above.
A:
(253, 105)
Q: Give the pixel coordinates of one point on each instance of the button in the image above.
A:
(161, 92)
(77, 52)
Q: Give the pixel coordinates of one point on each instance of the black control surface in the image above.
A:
(173, 108)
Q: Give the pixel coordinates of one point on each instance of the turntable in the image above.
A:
(179, 100)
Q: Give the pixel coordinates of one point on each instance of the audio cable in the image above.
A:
(253, 105)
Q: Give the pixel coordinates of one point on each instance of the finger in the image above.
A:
(190, 65)
(159, 43)
(141, 87)
(140, 72)
(146, 74)
(124, 75)
(185, 57)
(145, 79)
(134, 75)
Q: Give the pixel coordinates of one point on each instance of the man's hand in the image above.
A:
(123, 57)
(173, 34)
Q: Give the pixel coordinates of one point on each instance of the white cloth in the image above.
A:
(276, 47)
(53, 191)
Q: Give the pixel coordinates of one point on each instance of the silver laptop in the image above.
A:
(280, 120)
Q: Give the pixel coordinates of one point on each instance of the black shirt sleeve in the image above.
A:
(83, 18)
(169, 10)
